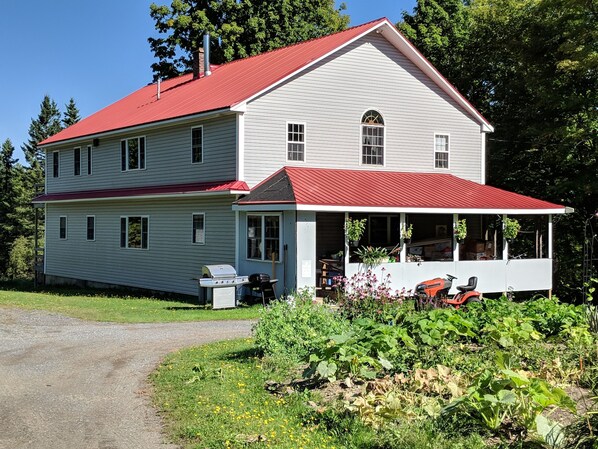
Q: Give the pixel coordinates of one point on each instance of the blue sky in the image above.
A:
(93, 51)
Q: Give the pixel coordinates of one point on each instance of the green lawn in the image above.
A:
(213, 396)
(101, 306)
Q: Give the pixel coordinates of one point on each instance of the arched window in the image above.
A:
(372, 138)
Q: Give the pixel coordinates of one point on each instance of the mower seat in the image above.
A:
(471, 285)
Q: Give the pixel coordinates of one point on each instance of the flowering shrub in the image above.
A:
(364, 295)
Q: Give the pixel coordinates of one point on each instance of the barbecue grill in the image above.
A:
(220, 283)
(263, 285)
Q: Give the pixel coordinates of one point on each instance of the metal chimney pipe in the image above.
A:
(206, 54)
(158, 87)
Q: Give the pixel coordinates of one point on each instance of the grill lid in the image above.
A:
(222, 271)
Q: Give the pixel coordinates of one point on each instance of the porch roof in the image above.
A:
(336, 190)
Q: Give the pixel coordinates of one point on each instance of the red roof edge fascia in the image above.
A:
(136, 192)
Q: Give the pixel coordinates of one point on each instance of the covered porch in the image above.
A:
(316, 247)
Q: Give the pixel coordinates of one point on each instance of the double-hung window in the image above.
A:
(441, 151)
(91, 227)
(199, 228)
(134, 232)
(77, 161)
(372, 138)
(132, 153)
(263, 237)
(62, 233)
(197, 145)
(296, 142)
(55, 164)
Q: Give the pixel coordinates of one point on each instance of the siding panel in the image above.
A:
(168, 159)
(332, 97)
(170, 262)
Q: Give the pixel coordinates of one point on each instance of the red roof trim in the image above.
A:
(140, 192)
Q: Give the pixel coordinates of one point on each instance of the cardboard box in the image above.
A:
(476, 256)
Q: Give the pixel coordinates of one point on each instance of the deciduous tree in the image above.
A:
(238, 28)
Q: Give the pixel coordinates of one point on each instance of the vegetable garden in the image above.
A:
(372, 372)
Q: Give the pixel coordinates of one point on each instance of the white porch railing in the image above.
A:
(494, 276)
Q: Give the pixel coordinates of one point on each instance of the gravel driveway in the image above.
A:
(67, 383)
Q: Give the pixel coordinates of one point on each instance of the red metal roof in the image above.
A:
(166, 190)
(228, 85)
(385, 189)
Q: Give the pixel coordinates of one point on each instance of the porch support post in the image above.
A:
(306, 250)
(402, 224)
(456, 245)
(505, 244)
(550, 243)
(347, 249)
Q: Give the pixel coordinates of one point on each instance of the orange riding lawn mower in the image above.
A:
(435, 293)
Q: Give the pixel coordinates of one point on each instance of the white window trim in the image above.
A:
(94, 228)
(292, 122)
(436, 134)
(66, 227)
(74, 160)
(127, 247)
(127, 158)
(203, 146)
(280, 237)
(193, 230)
(361, 125)
(89, 160)
(57, 153)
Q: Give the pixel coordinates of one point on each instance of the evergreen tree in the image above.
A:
(71, 114)
(45, 125)
(8, 228)
(238, 28)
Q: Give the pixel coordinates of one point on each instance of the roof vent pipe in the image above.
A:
(206, 54)
(158, 87)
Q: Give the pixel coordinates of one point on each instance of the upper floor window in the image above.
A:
(55, 164)
(199, 228)
(89, 159)
(263, 237)
(77, 160)
(62, 228)
(296, 142)
(134, 232)
(372, 138)
(441, 151)
(132, 153)
(197, 145)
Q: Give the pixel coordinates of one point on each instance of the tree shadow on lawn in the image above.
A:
(21, 285)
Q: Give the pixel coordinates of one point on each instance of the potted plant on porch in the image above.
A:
(372, 256)
(461, 230)
(354, 229)
(407, 232)
(511, 228)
